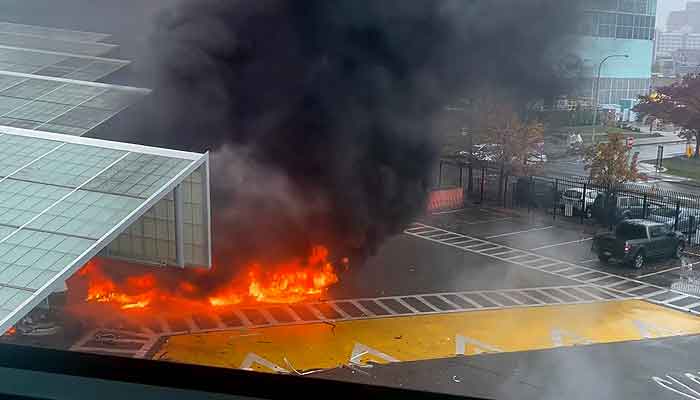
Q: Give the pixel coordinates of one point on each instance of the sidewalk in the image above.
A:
(667, 137)
(649, 170)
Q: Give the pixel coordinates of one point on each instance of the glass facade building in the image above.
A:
(616, 27)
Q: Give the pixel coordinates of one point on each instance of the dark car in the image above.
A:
(610, 209)
(536, 193)
(636, 240)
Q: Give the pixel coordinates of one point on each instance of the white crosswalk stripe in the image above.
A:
(588, 276)
(123, 338)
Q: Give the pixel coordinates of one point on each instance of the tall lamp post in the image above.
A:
(597, 88)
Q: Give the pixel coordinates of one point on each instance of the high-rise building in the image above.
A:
(669, 42)
(616, 27)
(679, 46)
(685, 20)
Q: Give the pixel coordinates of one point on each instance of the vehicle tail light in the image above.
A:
(627, 247)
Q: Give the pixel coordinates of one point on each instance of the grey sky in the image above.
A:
(664, 7)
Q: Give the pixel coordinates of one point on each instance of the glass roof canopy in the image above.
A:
(60, 105)
(46, 32)
(52, 63)
(52, 43)
(65, 198)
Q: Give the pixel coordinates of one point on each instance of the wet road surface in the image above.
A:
(664, 369)
(471, 281)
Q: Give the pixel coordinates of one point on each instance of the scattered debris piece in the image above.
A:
(311, 371)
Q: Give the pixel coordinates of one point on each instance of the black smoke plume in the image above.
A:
(320, 113)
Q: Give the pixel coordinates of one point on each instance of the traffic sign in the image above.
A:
(630, 142)
(659, 157)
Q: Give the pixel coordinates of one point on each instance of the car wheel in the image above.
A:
(603, 259)
(638, 260)
(679, 250)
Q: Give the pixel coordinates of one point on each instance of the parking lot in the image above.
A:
(475, 281)
(562, 238)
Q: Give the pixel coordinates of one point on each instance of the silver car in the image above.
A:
(574, 196)
(687, 218)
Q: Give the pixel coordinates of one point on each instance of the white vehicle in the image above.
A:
(688, 218)
(487, 152)
(536, 158)
(575, 195)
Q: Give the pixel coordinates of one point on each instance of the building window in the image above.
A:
(619, 25)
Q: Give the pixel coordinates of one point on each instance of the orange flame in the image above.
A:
(289, 282)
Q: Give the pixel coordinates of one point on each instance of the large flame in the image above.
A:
(287, 282)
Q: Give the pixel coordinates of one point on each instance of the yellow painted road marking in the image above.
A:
(304, 347)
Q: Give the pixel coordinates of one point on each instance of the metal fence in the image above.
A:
(482, 182)
(574, 197)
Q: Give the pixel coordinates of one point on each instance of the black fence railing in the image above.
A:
(482, 181)
(574, 197)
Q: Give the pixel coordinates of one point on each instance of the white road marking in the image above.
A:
(360, 350)
(603, 275)
(562, 244)
(252, 358)
(657, 272)
(588, 261)
(653, 294)
(488, 220)
(148, 341)
(674, 299)
(519, 232)
(566, 268)
(684, 389)
(461, 343)
(448, 212)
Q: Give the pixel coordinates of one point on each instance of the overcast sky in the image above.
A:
(665, 7)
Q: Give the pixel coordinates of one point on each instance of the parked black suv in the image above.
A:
(636, 240)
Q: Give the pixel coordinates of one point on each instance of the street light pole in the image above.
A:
(597, 88)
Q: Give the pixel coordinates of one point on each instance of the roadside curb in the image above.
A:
(639, 142)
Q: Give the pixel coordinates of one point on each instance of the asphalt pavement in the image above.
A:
(413, 266)
(471, 281)
(663, 369)
(647, 152)
(647, 369)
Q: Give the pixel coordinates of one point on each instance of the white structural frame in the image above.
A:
(99, 36)
(64, 54)
(197, 160)
(76, 82)
(104, 48)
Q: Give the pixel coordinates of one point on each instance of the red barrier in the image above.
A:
(446, 199)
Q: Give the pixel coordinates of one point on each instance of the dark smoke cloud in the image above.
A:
(320, 113)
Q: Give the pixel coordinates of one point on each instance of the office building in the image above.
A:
(685, 20)
(616, 27)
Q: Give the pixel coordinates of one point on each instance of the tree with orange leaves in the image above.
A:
(609, 162)
(678, 103)
(517, 135)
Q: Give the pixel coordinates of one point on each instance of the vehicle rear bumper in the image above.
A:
(613, 255)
